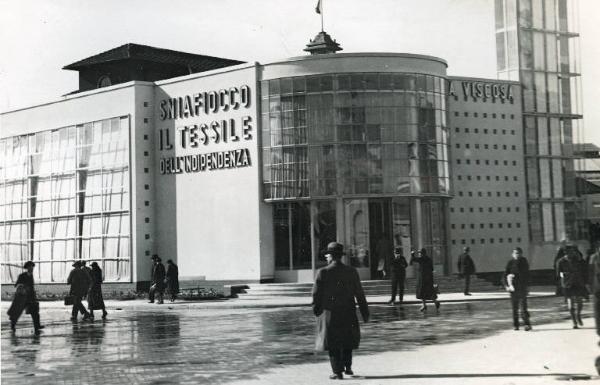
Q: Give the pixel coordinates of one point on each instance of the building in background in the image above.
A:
(588, 185)
(488, 210)
(243, 172)
(235, 184)
(537, 44)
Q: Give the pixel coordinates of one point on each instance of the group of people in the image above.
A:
(85, 283)
(426, 289)
(337, 290)
(161, 280)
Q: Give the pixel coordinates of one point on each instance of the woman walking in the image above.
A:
(95, 299)
(172, 279)
(572, 270)
(424, 273)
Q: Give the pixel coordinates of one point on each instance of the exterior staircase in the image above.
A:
(449, 284)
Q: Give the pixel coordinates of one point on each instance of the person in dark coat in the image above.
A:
(398, 272)
(560, 252)
(466, 267)
(95, 299)
(594, 279)
(516, 276)
(336, 287)
(80, 284)
(88, 271)
(565, 248)
(172, 279)
(25, 299)
(157, 284)
(572, 270)
(424, 273)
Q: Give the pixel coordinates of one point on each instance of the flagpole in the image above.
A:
(322, 30)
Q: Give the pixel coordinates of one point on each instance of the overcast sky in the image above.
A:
(37, 38)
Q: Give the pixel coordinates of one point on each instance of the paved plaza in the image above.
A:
(468, 342)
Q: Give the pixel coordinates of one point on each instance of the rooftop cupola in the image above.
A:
(322, 44)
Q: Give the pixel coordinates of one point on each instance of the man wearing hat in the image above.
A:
(336, 290)
(398, 270)
(79, 281)
(157, 284)
(25, 299)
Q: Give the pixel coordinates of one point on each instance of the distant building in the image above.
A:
(537, 45)
(488, 211)
(588, 186)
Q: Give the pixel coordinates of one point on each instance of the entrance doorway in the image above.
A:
(380, 229)
(373, 227)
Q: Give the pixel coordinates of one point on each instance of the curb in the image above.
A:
(255, 304)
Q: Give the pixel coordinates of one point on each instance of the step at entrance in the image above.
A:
(450, 284)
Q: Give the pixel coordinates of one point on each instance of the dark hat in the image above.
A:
(83, 262)
(335, 249)
(27, 264)
(398, 250)
(76, 264)
(154, 256)
(518, 250)
(93, 264)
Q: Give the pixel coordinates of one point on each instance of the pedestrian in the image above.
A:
(79, 281)
(88, 274)
(425, 286)
(336, 290)
(594, 269)
(88, 271)
(157, 284)
(398, 271)
(95, 298)
(172, 279)
(25, 299)
(466, 267)
(516, 276)
(383, 249)
(572, 270)
(560, 252)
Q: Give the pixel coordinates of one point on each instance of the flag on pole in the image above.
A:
(318, 8)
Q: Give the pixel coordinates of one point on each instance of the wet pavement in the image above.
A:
(171, 345)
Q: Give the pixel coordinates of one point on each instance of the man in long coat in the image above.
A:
(157, 285)
(80, 284)
(398, 270)
(25, 299)
(334, 292)
(466, 267)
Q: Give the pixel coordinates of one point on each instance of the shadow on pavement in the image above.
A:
(475, 375)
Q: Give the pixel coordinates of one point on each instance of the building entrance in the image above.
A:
(373, 228)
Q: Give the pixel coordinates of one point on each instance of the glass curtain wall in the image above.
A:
(64, 195)
(537, 43)
(333, 143)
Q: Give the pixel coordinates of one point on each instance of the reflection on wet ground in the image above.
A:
(174, 346)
